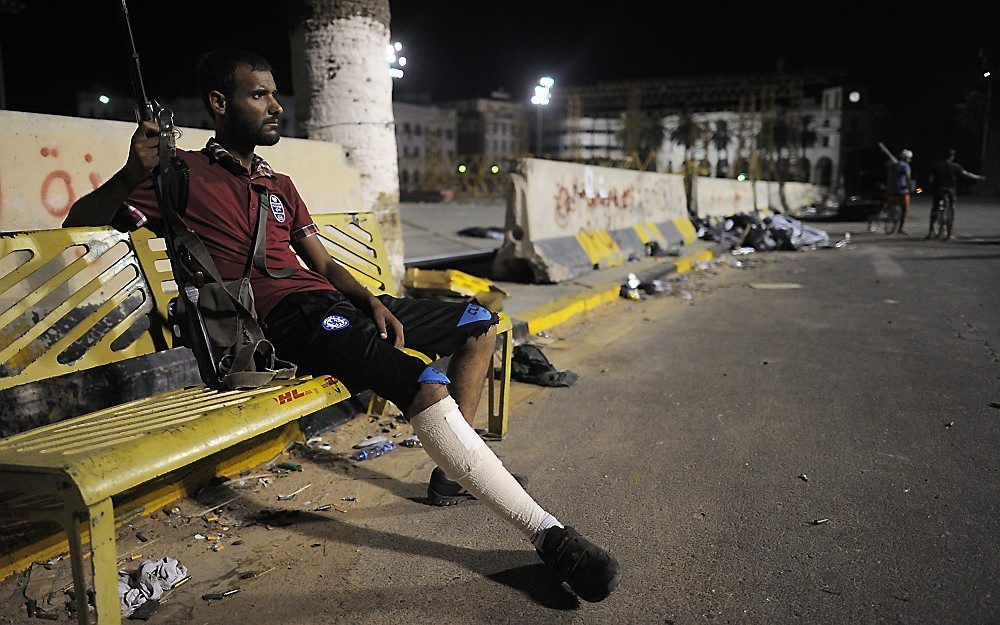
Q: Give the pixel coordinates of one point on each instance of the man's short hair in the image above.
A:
(216, 71)
(950, 153)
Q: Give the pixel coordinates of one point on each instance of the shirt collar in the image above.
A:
(258, 166)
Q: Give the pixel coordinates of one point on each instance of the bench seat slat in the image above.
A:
(107, 461)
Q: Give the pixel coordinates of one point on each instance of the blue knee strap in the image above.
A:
(432, 376)
(474, 313)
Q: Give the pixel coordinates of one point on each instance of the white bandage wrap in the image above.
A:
(465, 458)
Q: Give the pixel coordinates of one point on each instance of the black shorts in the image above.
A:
(324, 334)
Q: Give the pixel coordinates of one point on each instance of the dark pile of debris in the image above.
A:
(775, 232)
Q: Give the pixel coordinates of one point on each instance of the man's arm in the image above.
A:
(969, 174)
(99, 207)
(311, 250)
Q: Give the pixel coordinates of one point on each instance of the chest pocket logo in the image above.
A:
(277, 208)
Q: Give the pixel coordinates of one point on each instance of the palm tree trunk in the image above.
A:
(343, 94)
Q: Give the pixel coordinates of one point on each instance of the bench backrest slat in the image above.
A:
(78, 298)
(70, 299)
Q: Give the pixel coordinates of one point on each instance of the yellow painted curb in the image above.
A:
(564, 309)
(685, 263)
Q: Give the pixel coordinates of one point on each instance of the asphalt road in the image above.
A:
(682, 449)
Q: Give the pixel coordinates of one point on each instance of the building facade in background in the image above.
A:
(789, 127)
(492, 128)
(426, 143)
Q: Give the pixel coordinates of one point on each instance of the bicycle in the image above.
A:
(888, 213)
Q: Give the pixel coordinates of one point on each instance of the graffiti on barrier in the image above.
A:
(57, 186)
(576, 197)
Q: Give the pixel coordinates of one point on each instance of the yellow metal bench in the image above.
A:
(79, 298)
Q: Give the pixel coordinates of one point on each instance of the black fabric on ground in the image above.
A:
(529, 364)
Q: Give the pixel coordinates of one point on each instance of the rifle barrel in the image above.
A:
(142, 108)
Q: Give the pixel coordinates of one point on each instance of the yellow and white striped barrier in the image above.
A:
(566, 219)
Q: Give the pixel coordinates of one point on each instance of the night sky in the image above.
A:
(916, 62)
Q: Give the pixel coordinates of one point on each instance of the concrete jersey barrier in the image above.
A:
(566, 219)
(47, 162)
(798, 195)
(718, 197)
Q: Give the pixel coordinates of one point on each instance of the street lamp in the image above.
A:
(396, 61)
(986, 116)
(543, 94)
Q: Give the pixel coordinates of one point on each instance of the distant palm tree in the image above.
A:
(651, 134)
(807, 134)
(807, 138)
(721, 136)
(685, 133)
(648, 134)
(720, 140)
(773, 139)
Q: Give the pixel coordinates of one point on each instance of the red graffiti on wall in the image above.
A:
(570, 200)
(46, 193)
(57, 192)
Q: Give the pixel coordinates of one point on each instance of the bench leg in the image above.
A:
(75, 536)
(377, 406)
(499, 410)
(105, 566)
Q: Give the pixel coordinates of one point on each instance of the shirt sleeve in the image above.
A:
(302, 222)
(139, 209)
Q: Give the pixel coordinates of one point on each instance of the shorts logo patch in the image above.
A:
(473, 314)
(277, 208)
(335, 322)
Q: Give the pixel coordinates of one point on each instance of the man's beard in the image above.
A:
(254, 132)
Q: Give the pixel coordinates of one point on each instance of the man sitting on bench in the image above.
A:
(326, 322)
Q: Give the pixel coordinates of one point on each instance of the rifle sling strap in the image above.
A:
(259, 242)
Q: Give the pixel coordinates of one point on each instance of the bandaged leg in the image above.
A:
(465, 458)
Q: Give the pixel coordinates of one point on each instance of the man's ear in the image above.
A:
(217, 100)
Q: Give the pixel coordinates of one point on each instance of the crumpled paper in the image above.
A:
(148, 582)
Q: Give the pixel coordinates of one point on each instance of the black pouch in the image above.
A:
(214, 321)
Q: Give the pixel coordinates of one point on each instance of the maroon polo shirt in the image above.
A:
(222, 211)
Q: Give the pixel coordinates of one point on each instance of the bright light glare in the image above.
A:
(986, 74)
(462, 169)
(398, 46)
(495, 169)
(402, 61)
(541, 91)
(104, 99)
(395, 72)
(546, 82)
(854, 96)
(741, 177)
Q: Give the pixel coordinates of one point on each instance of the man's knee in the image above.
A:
(428, 394)
(489, 336)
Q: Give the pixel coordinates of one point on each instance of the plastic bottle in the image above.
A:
(373, 451)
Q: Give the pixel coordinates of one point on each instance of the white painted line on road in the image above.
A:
(775, 286)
